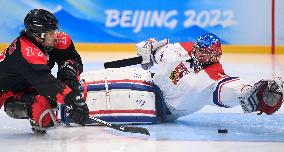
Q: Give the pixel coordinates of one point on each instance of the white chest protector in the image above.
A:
(120, 95)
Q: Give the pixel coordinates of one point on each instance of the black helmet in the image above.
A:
(39, 21)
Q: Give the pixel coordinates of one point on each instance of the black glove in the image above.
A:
(68, 73)
(77, 109)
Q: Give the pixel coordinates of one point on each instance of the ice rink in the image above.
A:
(196, 132)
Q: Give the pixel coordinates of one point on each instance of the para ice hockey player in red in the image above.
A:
(189, 76)
(27, 87)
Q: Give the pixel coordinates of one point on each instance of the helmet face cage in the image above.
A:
(38, 22)
(206, 45)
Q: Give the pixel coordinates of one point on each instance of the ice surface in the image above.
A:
(15, 135)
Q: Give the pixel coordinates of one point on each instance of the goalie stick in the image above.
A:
(133, 60)
(120, 127)
(123, 62)
(66, 120)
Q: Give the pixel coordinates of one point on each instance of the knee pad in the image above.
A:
(20, 108)
(40, 112)
(16, 108)
(34, 107)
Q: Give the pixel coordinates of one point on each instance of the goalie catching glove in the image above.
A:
(77, 109)
(265, 96)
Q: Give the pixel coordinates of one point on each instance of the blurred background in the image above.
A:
(245, 26)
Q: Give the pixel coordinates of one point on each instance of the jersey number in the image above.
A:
(30, 52)
(3, 55)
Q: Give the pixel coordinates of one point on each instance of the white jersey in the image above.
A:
(127, 95)
(108, 94)
(184, 90)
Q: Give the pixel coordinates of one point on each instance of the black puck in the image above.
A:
(223, 131)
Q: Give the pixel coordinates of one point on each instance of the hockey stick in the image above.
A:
(66, 120)
(120, 127)
(133, 60)
(123, 62)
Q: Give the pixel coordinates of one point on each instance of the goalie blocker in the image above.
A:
(122, 95)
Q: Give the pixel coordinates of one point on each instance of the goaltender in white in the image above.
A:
(189, 77)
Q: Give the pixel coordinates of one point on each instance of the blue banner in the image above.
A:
(239, 22)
